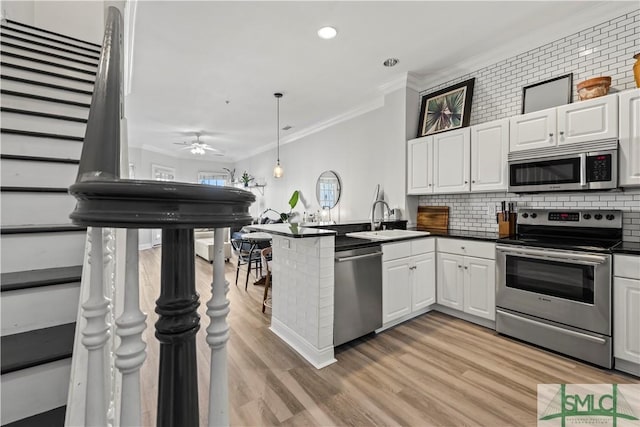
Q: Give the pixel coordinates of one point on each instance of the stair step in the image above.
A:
(39, 159)
(36, 87)
(43, 104)
(52, 418)
(14, 171)
(29, 309)
(21, 351)
(43, 228)
(42, 114)
(48, 74)
(49, 40)
(36, 208)
(52, 33)
(34, 189)
(42, 124)
(34, 390)
(37, 278)
(38, 246)
(24, 41)
(30, 60)
(44, 54)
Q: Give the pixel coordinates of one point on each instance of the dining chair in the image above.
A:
(247, 254)
(266, 256)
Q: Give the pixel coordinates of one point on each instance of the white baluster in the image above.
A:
(96, 334)
(217, 337)
(131, 354)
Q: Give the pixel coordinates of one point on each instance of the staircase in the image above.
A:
(46, 86)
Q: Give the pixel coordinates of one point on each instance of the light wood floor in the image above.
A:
(435, 370)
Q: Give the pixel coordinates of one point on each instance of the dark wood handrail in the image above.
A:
(100, 157)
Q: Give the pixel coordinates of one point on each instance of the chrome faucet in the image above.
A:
(374, 224)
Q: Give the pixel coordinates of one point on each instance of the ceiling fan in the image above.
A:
(198, 147)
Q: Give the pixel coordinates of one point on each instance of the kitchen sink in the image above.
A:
(387, 234)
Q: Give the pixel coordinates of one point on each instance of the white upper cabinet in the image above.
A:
(489, 150)
(451, 157)
(419, 165)
(583, 121)
(591, 120)
(533, 130)
(629, 150)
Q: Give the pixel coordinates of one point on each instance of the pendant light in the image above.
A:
(277, 171)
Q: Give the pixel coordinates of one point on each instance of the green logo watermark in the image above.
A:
(616, 405)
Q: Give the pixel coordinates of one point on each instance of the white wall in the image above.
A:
(364, 151)
(80, 19)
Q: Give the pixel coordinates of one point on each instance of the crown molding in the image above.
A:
(359, 110)
(597, 13)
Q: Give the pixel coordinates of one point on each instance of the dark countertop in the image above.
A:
(466, 234)
(628, 248)
(291, 230)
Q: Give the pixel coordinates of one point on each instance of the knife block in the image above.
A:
(507, 224)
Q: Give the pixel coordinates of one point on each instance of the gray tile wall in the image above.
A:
(498, 92)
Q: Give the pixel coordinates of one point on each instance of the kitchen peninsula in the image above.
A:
(302, 292)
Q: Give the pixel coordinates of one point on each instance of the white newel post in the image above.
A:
(96, 333)
(131, 353)
(217, 337)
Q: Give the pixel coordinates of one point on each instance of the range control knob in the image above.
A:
(534, 215)
(525, 215)
(586, 216)
(610, 217)
(598, 216)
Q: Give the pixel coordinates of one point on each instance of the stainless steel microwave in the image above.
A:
(597, 170)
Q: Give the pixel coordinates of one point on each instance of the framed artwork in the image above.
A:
(547, 94)
(162, 173)
(446, 109)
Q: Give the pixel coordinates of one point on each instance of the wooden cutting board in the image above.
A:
(433, 218)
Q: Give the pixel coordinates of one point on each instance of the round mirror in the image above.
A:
(328, 189)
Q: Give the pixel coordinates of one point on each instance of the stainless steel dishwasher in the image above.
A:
(358, 293)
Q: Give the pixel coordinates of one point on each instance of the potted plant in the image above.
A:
(246, 178)
(293, 201)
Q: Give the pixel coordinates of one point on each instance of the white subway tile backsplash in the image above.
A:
(498, 92)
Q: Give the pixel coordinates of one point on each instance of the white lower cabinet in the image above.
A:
(466, 282)
(626, 313)
(408, 278)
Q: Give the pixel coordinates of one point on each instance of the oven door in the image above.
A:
(572, 288)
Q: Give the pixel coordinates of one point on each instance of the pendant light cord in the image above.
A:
(278, 122)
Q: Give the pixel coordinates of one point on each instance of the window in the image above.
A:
(163, 173)
(213, 178)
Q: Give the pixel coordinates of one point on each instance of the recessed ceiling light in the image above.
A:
(390, 62)
(327, 33)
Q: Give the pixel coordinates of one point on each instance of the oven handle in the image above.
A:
(588, 337)
(537, 253)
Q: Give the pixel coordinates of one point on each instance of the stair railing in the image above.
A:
(105, 380)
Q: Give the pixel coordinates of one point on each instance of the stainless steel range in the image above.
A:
(554, 281)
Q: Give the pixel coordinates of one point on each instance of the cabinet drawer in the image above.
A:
(626, 266)
(422, 246)
(472, 248)
(396, 250)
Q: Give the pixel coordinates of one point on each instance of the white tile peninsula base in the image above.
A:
(319, 358)
(302, 295)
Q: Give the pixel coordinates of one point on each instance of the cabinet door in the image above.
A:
(419, 165)
(592, 120)
(423, 281)
(532, 130)
(450, 280)
(489, 149)
(396, 289)
(451, 158)
(480, 287)
(629, 151)
(626, 319)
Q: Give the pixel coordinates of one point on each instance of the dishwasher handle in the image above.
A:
(352, 258)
